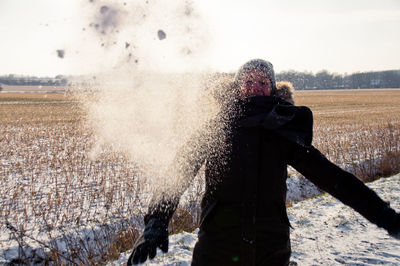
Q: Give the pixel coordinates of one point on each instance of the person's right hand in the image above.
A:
(155, 235)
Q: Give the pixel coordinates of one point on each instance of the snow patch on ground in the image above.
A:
(325, 232)
(180, 251)
(299, 188)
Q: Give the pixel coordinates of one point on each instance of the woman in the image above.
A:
(244, 220)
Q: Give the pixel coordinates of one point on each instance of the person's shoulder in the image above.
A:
(306, 111)
(304, 114)
(295, 109)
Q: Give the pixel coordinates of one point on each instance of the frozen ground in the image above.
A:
(326, 232)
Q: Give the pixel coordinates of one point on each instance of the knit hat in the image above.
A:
(260, 64)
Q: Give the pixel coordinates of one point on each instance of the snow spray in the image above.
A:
(149, 100)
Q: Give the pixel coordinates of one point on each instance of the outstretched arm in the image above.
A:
(165, 200)
(346, 187)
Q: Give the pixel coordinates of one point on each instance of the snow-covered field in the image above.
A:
(325, 232)
(64, 191)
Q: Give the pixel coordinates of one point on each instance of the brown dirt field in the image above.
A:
(5, 96)
(34, 88)
(330, 107)
(352, 106)
(38, 108)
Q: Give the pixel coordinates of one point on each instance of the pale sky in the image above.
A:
(336, 35)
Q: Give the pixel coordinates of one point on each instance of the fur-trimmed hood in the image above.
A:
(285, 91)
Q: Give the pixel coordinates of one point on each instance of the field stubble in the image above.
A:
(357, 129)
(54, 192)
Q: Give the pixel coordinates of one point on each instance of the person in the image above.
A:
(244, 219)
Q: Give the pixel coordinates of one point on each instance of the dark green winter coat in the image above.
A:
(244, 220)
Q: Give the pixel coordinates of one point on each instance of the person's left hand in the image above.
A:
(390, 220)
(394, 228)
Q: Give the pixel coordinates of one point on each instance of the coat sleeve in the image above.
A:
(187, 162)
(339, 183)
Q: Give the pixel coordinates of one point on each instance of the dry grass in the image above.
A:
(359, 129)
(54, 193)
(51, 188)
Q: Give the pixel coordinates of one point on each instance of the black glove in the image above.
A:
(155, 235)
(390, 220)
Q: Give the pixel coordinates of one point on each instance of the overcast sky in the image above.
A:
(336, 35)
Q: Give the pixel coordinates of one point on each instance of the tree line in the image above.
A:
(301, 80)
(325, 80)
(20, 80)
